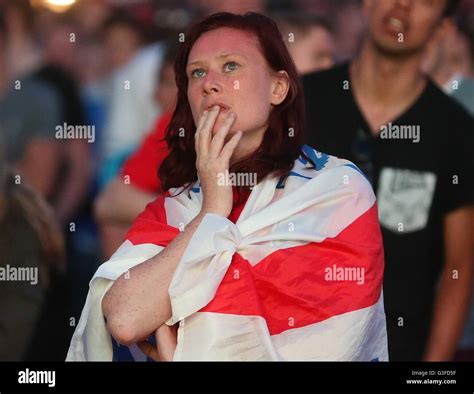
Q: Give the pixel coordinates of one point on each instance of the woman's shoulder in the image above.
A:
(325, 172)
(313, 163)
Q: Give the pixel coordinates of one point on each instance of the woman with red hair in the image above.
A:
(261, 248)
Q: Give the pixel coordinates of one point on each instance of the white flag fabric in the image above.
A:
(297, 277)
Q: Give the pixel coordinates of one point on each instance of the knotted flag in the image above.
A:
(297, 277)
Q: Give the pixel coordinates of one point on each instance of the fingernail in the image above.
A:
(231, 114)
(215, 108)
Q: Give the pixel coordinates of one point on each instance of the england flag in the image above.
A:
(297, 277)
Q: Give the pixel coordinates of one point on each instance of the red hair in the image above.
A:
(282, 141)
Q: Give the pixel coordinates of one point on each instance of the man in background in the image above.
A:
(414, 144)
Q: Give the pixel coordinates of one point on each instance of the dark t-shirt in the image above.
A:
(417, 179)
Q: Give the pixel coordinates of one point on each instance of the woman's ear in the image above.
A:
(280, 87)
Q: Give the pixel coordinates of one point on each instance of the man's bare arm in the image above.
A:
(454, 291)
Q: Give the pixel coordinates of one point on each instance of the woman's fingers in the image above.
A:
(229, 147)
(205, 132)
(202, 120)
(213, 159)
(149, 349)
(218, 141)
(166, 341)
(196, 134)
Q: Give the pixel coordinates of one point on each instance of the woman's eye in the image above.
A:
(231, 66)
(199, 72)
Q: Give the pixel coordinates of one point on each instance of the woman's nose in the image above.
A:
(212, 84)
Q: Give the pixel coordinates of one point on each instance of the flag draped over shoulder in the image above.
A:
(297, 277)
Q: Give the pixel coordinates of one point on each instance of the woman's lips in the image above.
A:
(222, 108)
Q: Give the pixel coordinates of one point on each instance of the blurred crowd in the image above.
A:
(86, 90)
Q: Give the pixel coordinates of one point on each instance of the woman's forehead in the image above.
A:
(223, 41)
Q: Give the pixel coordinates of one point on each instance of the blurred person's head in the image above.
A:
(404, 27)
(166, 92)
(122, 38)
(59, 42)
(91, 15)
(19, 16)
(241, 63)
(22, 56)
(447, 54)
(309, 39)
(349, 28)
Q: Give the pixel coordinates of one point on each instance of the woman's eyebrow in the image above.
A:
(223, 56)
(226, 55)
(194, 63)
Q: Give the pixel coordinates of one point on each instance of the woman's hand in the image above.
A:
(165, 344)
(212, 161)
(136, 304)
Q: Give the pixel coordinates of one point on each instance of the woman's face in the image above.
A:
(225, 67)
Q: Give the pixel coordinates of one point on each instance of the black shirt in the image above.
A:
(418, 179)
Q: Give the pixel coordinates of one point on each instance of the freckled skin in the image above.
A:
(251, 101)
